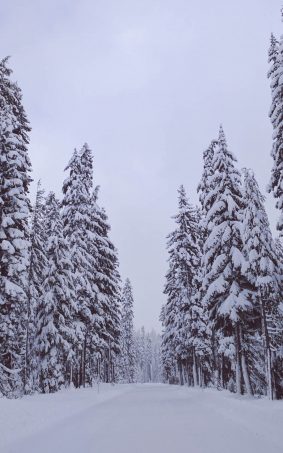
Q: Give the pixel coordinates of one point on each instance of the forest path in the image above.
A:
(157, 418)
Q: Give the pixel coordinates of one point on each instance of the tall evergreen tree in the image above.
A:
(167, 317)
(179, 311)
(275, 58)
(208, 343)
(38, 264)
(204, 185)
(226, 290)
(14, 233)
(107, 279)
(76, 214)
(56, 309)
(127, 357)
(263, 269)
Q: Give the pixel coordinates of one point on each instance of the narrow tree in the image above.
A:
(14, 233)
(275, 74)
(76, 214)
(107, 279)
(226, 291)
(204, 186)
(179, 313)
(127, 359)
(56, 309)
(208, 334)
(262, 265)
(37, 272)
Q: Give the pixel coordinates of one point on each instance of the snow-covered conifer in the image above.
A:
(226, 292)
(107, 279)
(127, 356)
(38, 264)
(76, 214)
(178, 312)
(204, 185)
(262, 266)
(275, 74)
(56, 309)
(14, 232)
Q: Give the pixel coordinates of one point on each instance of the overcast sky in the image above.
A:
(146, 84)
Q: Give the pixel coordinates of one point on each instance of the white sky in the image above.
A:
(146, 83)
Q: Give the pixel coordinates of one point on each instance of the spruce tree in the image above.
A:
(263, 269)
(127, 356)
(204, 185)
(76, 215)
(208, 344)
(107, 279)
(226, 292)
(179, 312)
(56, 309)
(167, 317)
(14, 232)
(275, 74)
(38, 264)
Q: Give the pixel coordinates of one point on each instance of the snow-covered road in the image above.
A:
(155, 419)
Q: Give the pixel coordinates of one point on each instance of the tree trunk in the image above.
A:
(26, 366)
(84, 362)
(214, 357)
(71, 374)
(269, 374)
(245, 369)
(195, 377)
(267, 350)
(181, 376)
(81, 369)
(238, 360)
(222, 371)
(200, 376)
(27, 371)
(187, 373)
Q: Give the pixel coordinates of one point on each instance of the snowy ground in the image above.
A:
(140, 419)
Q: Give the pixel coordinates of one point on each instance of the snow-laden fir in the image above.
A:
(275, 74)
(14, 233)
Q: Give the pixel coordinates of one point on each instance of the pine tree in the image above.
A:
(14, 233)
(76, 214)
(204, 185)
(207, 341)
(167, 318)
(179, 312)
(227, 293)
(56, 309)
(127, 357)
(38, 264)
(199, 333)
(275, 74)
(262, 266)
(107, 279)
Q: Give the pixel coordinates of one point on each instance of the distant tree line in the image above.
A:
(139, 359)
